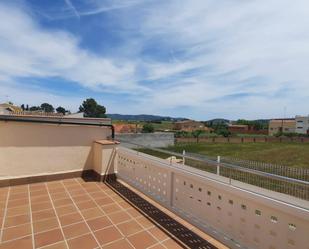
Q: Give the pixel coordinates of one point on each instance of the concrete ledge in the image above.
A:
(107, 142)
(87, 175)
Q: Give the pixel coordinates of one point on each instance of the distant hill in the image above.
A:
(264, 121)
(142, 117)
(217, 121)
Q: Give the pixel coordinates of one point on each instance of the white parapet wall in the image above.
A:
(239, 217)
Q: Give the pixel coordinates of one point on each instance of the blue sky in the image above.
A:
(199, 59)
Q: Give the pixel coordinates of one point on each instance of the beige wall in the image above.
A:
(302, 124)
(285, 125)
(29, 149)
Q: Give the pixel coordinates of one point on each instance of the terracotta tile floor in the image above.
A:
(73, 214)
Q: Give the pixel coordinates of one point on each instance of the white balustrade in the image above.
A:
(237, 217)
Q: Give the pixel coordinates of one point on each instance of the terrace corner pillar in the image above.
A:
(104, 156)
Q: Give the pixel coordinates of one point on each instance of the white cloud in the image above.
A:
(26, 50)
(35, 96)
(209, 51)
(258, 47)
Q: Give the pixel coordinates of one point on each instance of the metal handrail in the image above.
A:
(223, 164)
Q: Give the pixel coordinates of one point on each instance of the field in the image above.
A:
(287, 154)
(158, 126)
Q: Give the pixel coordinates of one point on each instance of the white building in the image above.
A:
(74, 115)
(302, 124)
(6, 109)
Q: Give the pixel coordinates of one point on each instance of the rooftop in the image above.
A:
(283, 119)
(56, 119)
(237, 125)
(75, 213)
(66, 184)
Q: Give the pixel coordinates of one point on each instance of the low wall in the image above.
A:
(241, 139)
(32, 149)
(157, 139)
(237, 214)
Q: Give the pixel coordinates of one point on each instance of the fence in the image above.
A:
(287, 180)
(296, 173)
(241, 139)
(238, 217)
(156, 139)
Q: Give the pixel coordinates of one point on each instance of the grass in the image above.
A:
(287, 154)
(164, 125)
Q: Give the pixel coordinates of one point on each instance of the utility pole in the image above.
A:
(284, 117)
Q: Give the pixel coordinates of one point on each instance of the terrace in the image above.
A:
(74, 213)
(65, 186)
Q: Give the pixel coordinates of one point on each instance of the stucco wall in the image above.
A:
(29, 149)
(104, 158)
(158, 139)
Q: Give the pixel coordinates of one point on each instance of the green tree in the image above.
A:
(148, 128)
(60, 109)
(34, 108)
(182, 134)
(257, 124)
(197, 134)
(47, 107)
(92, 109)
(223, 132)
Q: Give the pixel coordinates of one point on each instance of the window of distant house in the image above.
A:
(274, 219)
(299, 127)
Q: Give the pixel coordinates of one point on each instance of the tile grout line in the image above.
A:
(144, 229)
(87, 193)
(81, 214)
(18, 238)
(56, 216)
(159, 243)
(31, 221)
(5, 213)
(151, 220)
(106, 214)
(132, 206)
(113, 224)
(47, 246)
(63, 215)
(133, 218)
(100, 190)
(163, 209)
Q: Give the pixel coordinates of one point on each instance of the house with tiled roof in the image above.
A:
(127, 128)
